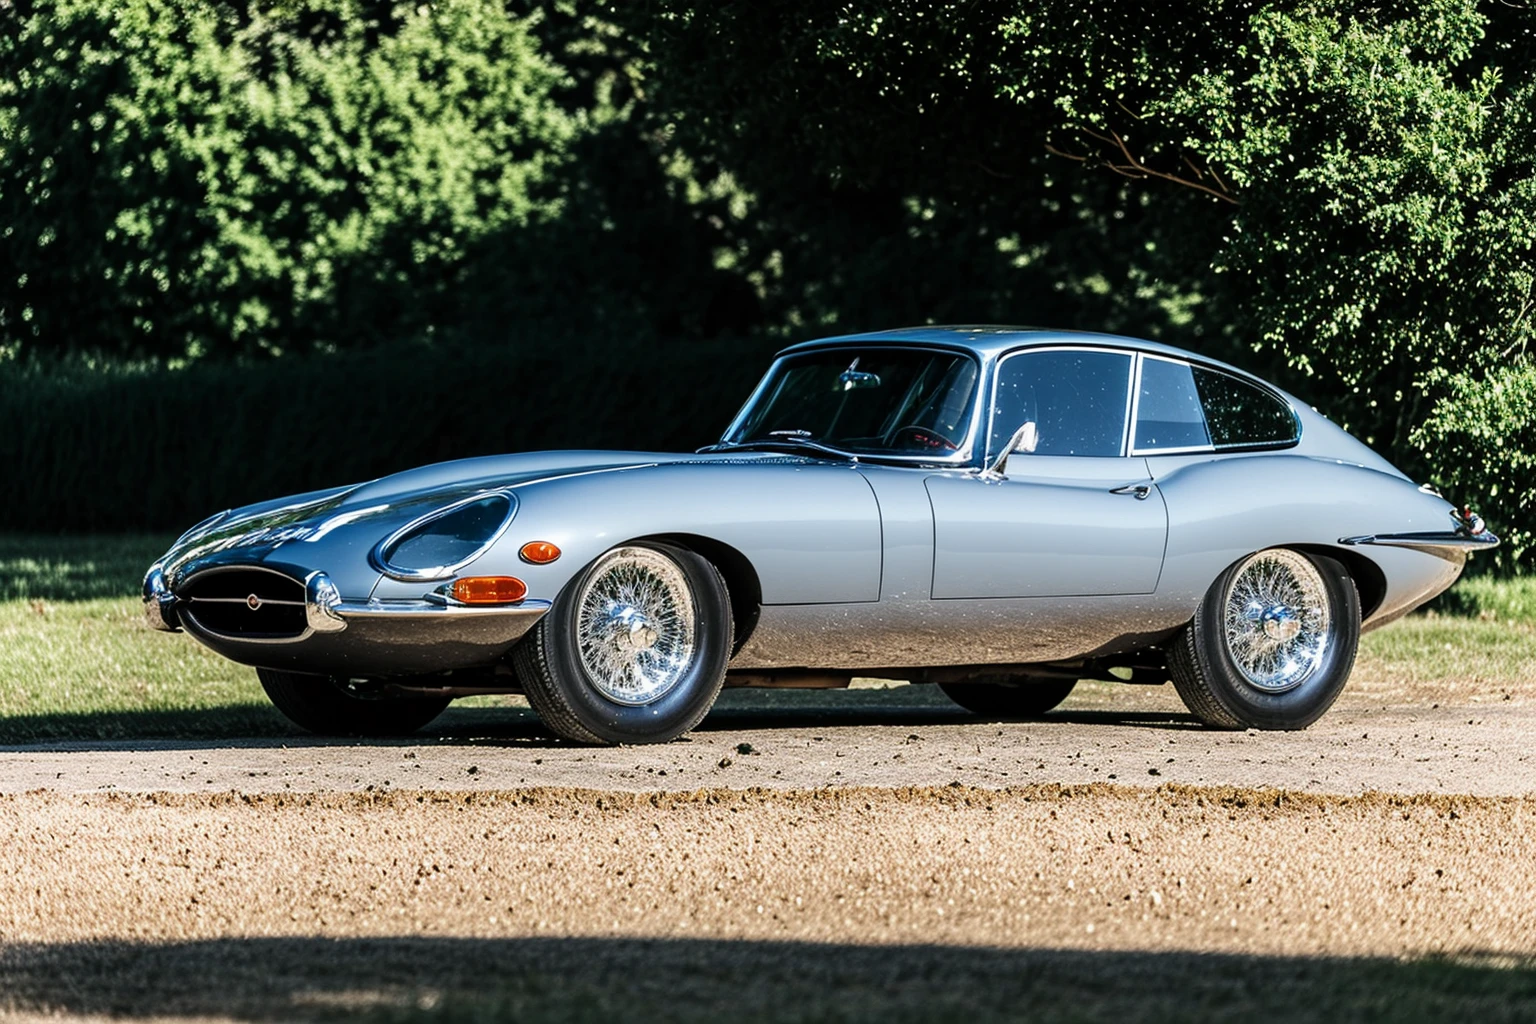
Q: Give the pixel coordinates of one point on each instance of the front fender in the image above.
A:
(810, 530)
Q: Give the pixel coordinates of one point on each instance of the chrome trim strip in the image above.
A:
(1447, 540)
(1128, 449)
(242, 600)
(428, 611)
(426, 575)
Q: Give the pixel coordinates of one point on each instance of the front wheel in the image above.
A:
(1008, 697)
(324, 705)
(634, 649)
(1271, 645)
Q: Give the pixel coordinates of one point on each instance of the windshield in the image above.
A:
(867, 401)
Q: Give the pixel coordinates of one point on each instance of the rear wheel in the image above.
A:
(1272, 644)
(324, 705)
(1009, 696)
(634, 649)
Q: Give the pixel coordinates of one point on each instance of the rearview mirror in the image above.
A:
(851, 379)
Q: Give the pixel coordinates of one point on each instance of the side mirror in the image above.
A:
(1025, 440)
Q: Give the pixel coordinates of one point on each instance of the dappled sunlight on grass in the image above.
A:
(66, 663)
(75, 568)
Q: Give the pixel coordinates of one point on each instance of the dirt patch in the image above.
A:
(1080, 867)
(889, 904)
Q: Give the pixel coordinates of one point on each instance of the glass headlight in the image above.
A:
(439, 544)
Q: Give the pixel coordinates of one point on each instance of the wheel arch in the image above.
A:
(741, 579)
(1370, 581)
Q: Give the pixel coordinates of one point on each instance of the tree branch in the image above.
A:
(1124, 162)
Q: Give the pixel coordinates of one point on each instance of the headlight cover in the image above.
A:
(444, 541)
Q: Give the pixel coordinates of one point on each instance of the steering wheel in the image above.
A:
(922, 437)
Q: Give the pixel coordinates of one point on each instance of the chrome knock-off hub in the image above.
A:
(632, 631)
(1280, 623)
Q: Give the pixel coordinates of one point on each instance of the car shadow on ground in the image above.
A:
(502, 726)
(603, 979)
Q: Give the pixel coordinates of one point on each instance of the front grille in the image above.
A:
(245, 604)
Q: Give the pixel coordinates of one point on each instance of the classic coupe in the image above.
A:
(1002, 512)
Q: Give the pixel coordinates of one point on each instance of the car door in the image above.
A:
(1073, 514)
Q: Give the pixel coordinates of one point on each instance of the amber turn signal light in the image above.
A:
(488, 590)
(539, 552)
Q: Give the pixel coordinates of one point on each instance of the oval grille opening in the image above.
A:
(245, 604)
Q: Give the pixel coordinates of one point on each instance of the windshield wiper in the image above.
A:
(787, 441)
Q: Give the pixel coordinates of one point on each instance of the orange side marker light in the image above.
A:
(488, 590)
(539, 552)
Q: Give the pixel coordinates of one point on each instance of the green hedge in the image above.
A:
(156, 449)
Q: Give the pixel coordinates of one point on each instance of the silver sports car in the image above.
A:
(1000, 511)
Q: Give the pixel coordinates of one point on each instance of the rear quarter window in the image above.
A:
(1242, 415)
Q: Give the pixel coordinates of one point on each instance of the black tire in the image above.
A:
(322, 705)
(1222, 694)
(1009, 697)
(570, 698)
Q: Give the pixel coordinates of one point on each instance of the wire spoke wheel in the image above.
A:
(1271, 645)
(1278, 625)
(634, 649)
(635, 625)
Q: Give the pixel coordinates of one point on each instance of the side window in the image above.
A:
(1239, 414)
(1076, 399)
(1168, 410)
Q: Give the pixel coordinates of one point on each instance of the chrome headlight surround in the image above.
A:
(421, 526)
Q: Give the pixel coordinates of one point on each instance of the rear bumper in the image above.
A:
(1449, 544)
(363, 638)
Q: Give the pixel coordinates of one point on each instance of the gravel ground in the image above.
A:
(896, 736)
(319, 889)
(874, 854)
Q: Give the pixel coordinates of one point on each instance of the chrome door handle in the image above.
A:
(1139, 491)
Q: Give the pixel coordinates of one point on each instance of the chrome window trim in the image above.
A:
(1247, 446)
(428, 574)
(961, 456)
(1133, 377)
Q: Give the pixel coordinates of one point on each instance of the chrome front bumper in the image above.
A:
(363, 637)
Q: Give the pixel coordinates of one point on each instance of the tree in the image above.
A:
(1341, 194)
(184, 178)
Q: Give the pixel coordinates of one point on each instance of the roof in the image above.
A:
(991, 340)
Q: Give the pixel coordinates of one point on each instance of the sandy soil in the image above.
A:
(875, 854)
(1087, 871)
(902, 736)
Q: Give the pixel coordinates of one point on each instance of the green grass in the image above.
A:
(75, 568)
(1495, 600)
(77, 662)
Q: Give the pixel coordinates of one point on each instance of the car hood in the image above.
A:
(324, 527)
